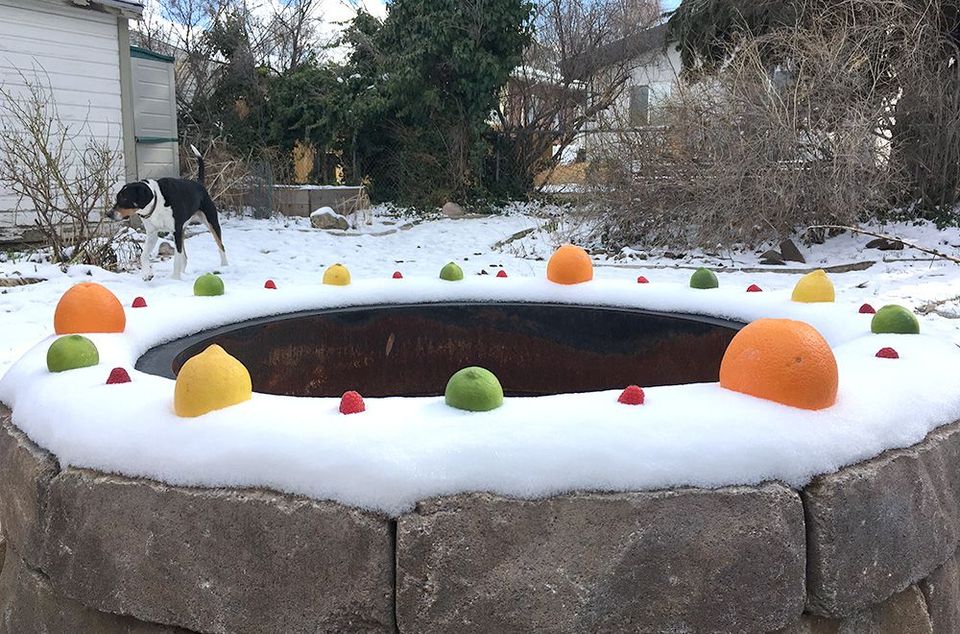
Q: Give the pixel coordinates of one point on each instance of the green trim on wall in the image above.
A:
(154, 140)
(142, 53)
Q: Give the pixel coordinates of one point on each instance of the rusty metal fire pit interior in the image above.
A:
(411, 350)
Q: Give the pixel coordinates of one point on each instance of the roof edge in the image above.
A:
(125, 8)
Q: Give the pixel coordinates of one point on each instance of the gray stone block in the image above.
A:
(28, 605)
(692, 560)
(25, 475)
(879, 526)
(216, 560)
(903, 613)
(942, 593)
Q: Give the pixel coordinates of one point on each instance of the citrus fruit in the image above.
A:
(208, 285)
(781, 360)
(337, 275)
(895, 319)
(88, 307)
(703, 278)
(569, 265)
(71, 352)
(474, 389)
(814, 287)
(451, 272)
(208, 381)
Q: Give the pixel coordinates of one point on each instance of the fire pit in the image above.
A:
(688, 507)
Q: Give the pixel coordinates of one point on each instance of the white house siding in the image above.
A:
(73, 51)
(156, 117)
(660, 71)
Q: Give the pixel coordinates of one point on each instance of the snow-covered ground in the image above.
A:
(290, 252)
(404, 449)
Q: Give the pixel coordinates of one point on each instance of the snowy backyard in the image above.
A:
(288, 251)
(406, 449)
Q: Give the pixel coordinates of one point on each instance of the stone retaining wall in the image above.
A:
(871, 548)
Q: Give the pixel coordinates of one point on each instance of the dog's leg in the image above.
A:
(146, 269)
(180, 257)
(209, 213)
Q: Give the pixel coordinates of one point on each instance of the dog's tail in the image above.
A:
(201, 171)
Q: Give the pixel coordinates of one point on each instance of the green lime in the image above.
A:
(895, 319)
(451, 272)
(71, 352)
(703, 278)
(474, 389)
(208, 285)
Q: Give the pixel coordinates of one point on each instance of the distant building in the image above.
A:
(80, 50)
(654, 71)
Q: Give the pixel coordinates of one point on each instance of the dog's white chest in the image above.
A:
(161, 217)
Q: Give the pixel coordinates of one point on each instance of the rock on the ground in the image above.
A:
(771, 257)
(453, 210)
(327, 218)
(790, 252)
(882, 244)
(166, 250)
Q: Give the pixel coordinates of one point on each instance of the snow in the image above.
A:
(326, 211)
(405, 449)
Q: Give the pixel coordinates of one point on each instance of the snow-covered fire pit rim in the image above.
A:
(402, 450)
(746, 558)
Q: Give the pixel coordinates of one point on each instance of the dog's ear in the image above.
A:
(142, 194)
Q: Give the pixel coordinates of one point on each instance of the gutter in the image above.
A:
(125, 8)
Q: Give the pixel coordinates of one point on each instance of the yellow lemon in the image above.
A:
(210, 380)
(814, 287)
(336, 275)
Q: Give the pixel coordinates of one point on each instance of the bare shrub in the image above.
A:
(797, 129)
(225, 171)
(577, 67)
(66, 174)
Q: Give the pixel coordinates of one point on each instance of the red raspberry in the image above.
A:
(351, 403)
(642, 280)
(139, 302)
(270, 284)
(397, 275)
(501, 273)
(867, 309)
(887, 353)
(118, 375)
(633, 395)
(753, 288)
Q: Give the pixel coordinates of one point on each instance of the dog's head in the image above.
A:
(130, 199)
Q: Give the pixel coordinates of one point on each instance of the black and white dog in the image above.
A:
(167, 204)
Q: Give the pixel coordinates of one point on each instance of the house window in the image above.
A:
(639, 105)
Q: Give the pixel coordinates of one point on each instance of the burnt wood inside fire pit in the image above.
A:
(412, 350)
